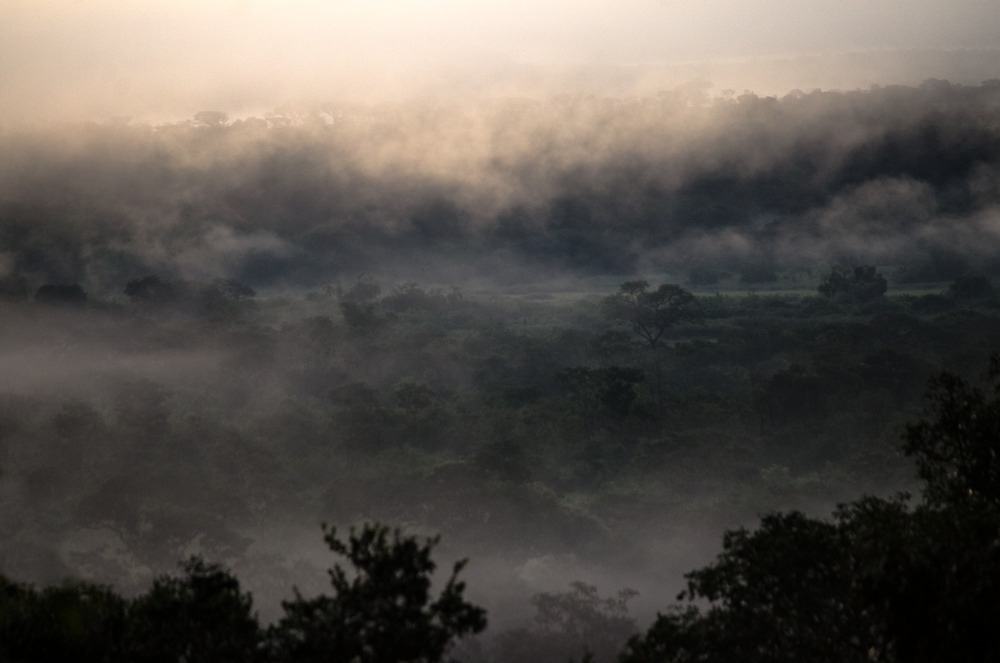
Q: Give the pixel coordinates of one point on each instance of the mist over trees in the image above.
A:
(878, 581)
(578, 338)
(512, 188)
(883, 580)
(381, 610)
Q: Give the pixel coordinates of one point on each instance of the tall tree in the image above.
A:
(382, 610)
(203, 617)
(651, 313)
(880, 582)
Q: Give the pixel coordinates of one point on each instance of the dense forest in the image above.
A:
(584, 432)
(579, 340)
(514, 190)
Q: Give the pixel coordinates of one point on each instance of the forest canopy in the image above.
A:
(512, 188)
(881, 581)
(577, 337)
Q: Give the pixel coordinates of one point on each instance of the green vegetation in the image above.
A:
(880, 582)
(650, 314)
(382, 613)
(815, 259)
(201, 420)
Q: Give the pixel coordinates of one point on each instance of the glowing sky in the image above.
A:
(65, 58)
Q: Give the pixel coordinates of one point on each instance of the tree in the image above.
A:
(364, 289)
(601, 392)
(382, 613)
(210, 118)
(75, 621)
(382, 610)
(202, 617)
(882, 581)
(363, 317)
(650, 314)
(957, 453)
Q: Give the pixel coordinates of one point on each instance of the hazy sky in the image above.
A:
(94, 58)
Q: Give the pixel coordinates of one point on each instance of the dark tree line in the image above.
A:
(382, 610)
(487, 421)
(881, 581)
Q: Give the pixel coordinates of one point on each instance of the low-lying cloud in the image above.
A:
(510, 188)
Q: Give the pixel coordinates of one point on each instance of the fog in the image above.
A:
(133, 437)
(156, 61)
(516, 189)
(349, 261)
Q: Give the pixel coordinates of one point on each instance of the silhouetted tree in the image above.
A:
(958, 453)
(364, 289)
(881, 582)
(202, 617)
(363, 317)
(650, 314)
(210, 118)
(382, 610)
(75, 621)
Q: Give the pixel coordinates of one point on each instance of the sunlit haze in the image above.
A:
(163, 60)
(578, 286)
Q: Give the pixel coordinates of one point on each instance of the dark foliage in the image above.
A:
(795, 394)
(220, 300)
(365, 288)
(363, 317)
(202, 617)
(601, 395)
(382, 612)
(958, 453)
(322, 208)
(881, 581)
(517, 419)
(382, 609)
(651, 314)
(71, 622)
